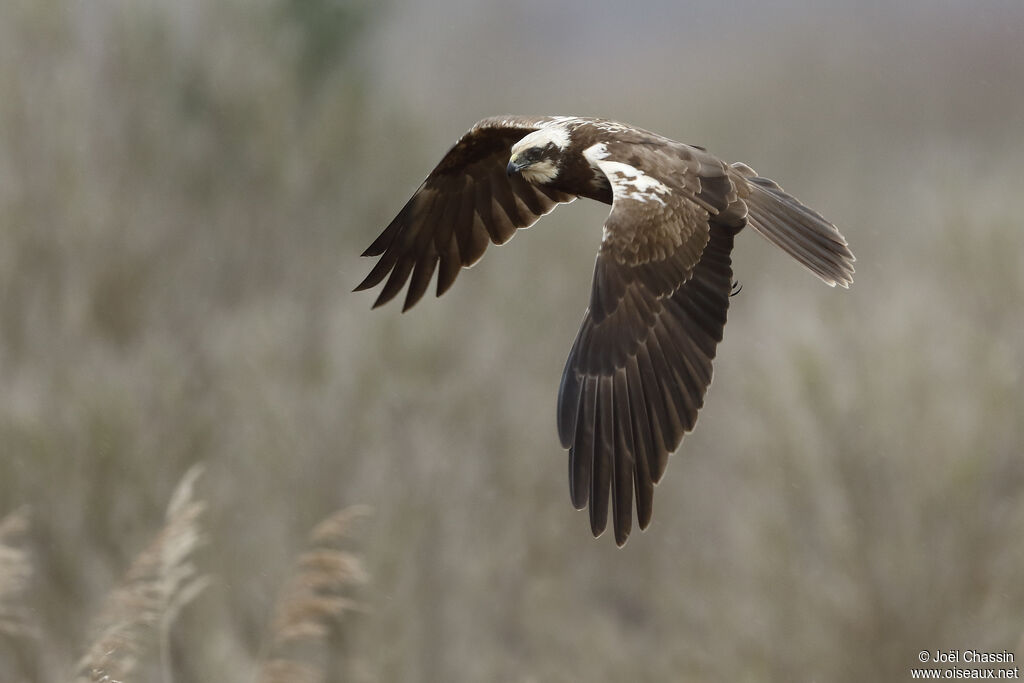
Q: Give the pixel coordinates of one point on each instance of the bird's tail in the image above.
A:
(800, 231)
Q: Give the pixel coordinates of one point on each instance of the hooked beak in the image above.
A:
(515, 165)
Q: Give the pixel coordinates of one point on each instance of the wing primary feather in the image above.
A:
(603, 453)
(414, 246)
(395, 283)
(421, 275)
(569, 391)
(407, 229)
(473, 238)
(426, 262)
(395, 227)
(503, 224)
(380, 269)
(484, 199)
(622, 476)
(657, 414)
(386, 237)
(445, 218)
(451, 264)
(581, 453)
(643, 446)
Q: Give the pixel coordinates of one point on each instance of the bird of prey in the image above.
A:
(640, 366)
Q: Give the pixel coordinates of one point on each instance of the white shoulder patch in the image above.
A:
(595, 153)
(627, 181)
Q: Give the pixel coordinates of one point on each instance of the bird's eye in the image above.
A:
(533, 154)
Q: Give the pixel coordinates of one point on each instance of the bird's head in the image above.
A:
(538, 156)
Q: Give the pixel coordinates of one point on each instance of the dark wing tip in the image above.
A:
(643, 517)
(389, 292)
(367, 282)
(394, 285)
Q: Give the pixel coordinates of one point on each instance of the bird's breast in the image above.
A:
(583, 180)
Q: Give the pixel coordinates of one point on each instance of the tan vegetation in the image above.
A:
(15, 576)
(141, 610)
(312, 602)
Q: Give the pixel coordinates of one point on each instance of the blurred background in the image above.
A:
(185, 188)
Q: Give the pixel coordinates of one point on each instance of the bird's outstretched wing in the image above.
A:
(465, 203)
(641, 363)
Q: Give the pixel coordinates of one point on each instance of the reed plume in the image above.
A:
(138, 613)
(15, 576)
(313, 599)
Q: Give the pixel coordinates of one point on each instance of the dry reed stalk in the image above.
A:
(160, 582)
(312, 600)
(15, 576)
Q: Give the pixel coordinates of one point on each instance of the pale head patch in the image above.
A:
(544, 169)
(542, 137)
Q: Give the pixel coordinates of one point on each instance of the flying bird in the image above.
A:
(641, 363)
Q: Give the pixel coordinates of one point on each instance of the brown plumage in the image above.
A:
(640, 366)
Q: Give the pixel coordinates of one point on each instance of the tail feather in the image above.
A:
(799, 230)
